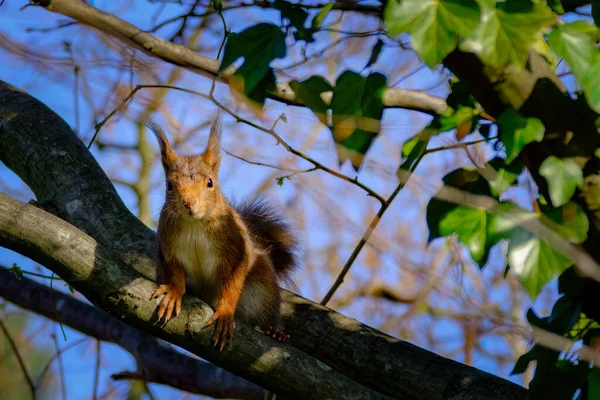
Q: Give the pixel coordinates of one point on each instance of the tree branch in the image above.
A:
(186, 58)
(160, 362)
(58, 162)
(109, 284)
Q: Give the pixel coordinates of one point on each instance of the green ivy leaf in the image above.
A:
(563, 178)
(532, 259)
(596, 11)
(320, 17)
(556, 6)
(17, 271)
(516, 132)
(506, 175)
(421, 139)
(434, 25)
(357, 109)
(309, 92)
(594, 384)
(297, 16)
(375, 53)
(507, 31)
(444, 218)
(471, 225)
(258, 45)
(569, 221)
(523, 361)
(576, 43)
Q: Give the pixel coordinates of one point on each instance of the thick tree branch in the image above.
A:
(98, 274)
(370, 357)
(186, 58)
(160, 363)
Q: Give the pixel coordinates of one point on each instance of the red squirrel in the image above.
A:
(231, 255)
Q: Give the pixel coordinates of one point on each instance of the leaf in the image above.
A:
(258, 45)
(451, 118)
(309, 92)
(434, 25)
(217, 6)
(421, 139)
(532, 259)
(375, 53)
(596, 11)
(594, 384)
(576, 43)
(320, 17)
(17, 271)
(297, 16)
(445, 218)
(507, 31)
(569, 221)
(523, 361)
(516, 132)
(556, 6)
(506, 175)
(563, 178)
(471, 225)
(565, 315)
(357, 109)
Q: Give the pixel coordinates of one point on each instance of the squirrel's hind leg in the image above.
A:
(260, 301)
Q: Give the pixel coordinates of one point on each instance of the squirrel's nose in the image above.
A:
(188, 204)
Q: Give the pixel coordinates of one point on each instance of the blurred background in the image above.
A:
(432, 295)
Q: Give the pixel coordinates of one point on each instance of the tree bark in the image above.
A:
(159, 362)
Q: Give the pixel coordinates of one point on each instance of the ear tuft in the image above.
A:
(166, 152)
(212, 154)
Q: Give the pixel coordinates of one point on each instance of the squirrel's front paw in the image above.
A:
(223, 329)
(171, 302)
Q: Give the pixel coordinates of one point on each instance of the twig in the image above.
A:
(4, 269)
(61, 367)
(130, 95)
(40, 378)
(55, 310)
(404, 172)
(238, 118)
(19, 358)
(384, 206)
(292, 150)
(97, 373)
(458, 145)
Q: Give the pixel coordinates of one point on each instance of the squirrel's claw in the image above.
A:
(170, 303)
(277, 334)
(223, 329)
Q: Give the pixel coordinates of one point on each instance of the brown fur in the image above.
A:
(231, 256)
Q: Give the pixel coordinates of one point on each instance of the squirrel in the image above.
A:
(232, 255)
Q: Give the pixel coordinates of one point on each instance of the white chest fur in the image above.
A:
(196, 252)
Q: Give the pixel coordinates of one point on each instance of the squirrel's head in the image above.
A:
(192, 180)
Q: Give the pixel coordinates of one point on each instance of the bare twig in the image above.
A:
(97, 371)
(340, 279)
(46, 368)
(62, 329)
(61, 367)
(279, 139)
(19, 358)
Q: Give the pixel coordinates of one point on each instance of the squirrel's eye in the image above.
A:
(169, 186)
(209, 183)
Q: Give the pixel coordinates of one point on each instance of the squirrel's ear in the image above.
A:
(212, 154)
(167, 154)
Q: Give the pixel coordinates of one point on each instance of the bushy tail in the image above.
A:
(272, 233)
